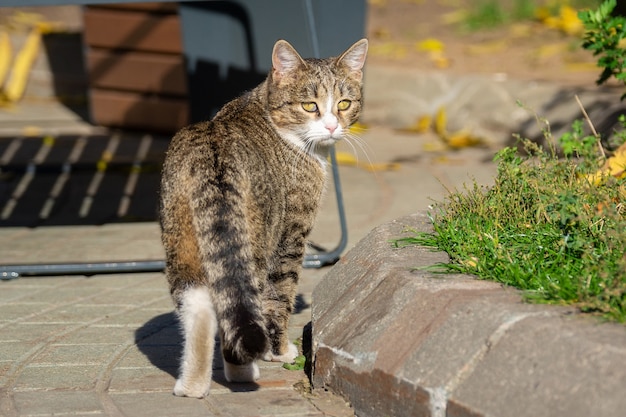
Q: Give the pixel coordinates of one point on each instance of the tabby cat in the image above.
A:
(239, 195)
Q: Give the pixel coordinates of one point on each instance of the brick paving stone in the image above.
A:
(49, 403)
(263, 403)
(30, 332)
(159, 404)
(59, 377)
(61, 354)
(142, 379)
(100, 334)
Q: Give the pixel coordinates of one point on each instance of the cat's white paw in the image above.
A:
(197, 390)
(241, 373)
(287, 357)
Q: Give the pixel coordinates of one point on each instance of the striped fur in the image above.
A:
(239, 195)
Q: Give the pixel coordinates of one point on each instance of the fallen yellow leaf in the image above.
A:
(570, 23)
(16, 84)
(581, 66)
(6, 51)
(31, 131)
(385, 166)
(520, 30)
(48, 140)
(421, 125)
(434, 147)
(566, 21)
(440, 122)
(430, 45)
(546, 51)
(390, 50)
(463, 139)
(472, 262)
(617, 165)
(614, 166)
(439, 59)
(347, 159)
(358, 128)
(552, 22)
(49, 27)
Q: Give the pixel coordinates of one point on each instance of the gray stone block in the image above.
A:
(399, 341)
(550, 366)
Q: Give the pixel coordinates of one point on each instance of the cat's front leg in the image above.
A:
(288, 357)
(248, 372)
(277, 307)
(199, 326)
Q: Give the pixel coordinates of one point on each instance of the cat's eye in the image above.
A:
(311, 107)
(344, 105)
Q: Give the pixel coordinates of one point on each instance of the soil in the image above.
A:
(525, 49)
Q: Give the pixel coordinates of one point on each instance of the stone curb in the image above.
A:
(397, 340)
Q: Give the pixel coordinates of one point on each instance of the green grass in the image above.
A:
(297, 365)
(489, 14)
(543, 228)
(486, 14)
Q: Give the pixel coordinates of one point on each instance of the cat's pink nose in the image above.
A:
(331, 128)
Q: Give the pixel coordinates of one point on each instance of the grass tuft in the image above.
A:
(545, 227)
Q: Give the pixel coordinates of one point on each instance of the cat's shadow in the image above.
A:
(160, 340)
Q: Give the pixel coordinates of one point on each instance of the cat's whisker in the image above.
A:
(363, 145)
(304, 150)
(353, 139)
(354, 150)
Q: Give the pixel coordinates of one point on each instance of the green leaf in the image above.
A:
(607, 7)
(296, 365)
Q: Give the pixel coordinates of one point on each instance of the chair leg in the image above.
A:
(319, 260)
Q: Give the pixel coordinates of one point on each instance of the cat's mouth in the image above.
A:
(328, 141)
(327, 138)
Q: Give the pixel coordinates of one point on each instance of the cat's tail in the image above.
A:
(227, 261)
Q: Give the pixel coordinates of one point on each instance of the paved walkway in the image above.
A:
(109, 345)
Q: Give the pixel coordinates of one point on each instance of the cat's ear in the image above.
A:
(285, 59)
(354, 57)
